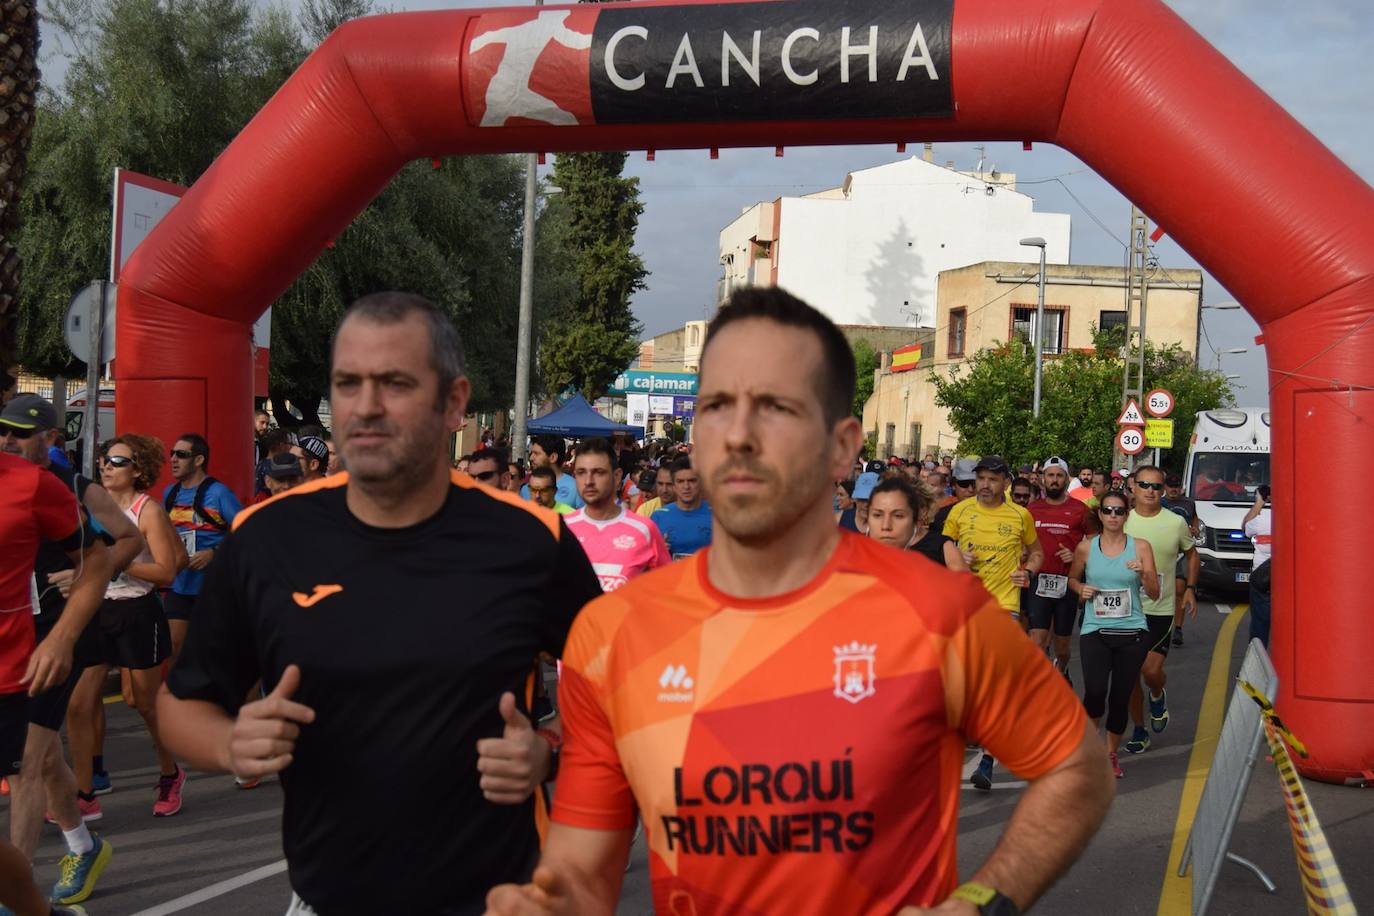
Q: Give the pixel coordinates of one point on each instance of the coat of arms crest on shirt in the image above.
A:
(854, 676)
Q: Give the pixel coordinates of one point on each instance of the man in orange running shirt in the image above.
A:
(787, 710)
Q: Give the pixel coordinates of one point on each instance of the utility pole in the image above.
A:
(1137, 292)
(525, 329)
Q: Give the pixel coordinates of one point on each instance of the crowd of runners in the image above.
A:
(761, 640)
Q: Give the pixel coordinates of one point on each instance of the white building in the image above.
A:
(869, 251)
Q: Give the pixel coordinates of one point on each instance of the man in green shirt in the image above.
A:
(543, 488)
(1168, 534)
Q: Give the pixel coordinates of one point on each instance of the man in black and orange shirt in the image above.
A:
(787, 709)
(394, 614)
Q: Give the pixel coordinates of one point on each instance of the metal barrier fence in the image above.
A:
(1238, 748)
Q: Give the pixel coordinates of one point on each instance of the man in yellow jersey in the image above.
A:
(664, 494)
(991, 533)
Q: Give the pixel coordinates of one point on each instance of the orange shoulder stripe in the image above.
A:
(324, 483)
(547, 516)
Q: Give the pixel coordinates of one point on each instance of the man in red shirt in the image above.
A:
(787, 709)
(1060, 523)
(35, 507)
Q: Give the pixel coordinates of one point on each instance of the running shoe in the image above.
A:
(1178, 636)
(100, 783)
(1159, 711)
(1116, 765)
(1140, 741)
(169, 794)
(982, 777)
(90, 811)
(250, 783)
(80, 872)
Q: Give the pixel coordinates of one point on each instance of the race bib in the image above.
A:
(1050, 586)
(1112, 603)
(188, 539)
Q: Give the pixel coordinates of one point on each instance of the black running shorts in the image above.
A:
(134, 632)
(1059, 612)
(177, 606)
(14, 731)
(1161, 628)
(49, 709)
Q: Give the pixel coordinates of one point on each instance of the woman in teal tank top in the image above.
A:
(1108, 573)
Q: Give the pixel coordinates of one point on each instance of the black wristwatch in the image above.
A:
(987, 899)
(1193, 587)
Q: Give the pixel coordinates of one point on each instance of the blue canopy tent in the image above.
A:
(578, 420)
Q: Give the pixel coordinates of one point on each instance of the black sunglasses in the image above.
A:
(182, 453)
(116, 461)
(17, 432)
(1113, 510)
(484, 476)
(1144, 485)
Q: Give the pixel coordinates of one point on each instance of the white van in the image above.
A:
(1228, 460)
(104, 420)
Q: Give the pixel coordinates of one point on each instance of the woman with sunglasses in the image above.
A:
(134, 632)
(1108, 573)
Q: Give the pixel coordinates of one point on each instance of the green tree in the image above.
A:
(18, 105)
(865, 364)
(590, 338)
(990, 401)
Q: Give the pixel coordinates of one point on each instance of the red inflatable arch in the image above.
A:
(1260, 203)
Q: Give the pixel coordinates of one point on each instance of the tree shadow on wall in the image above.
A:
(892, 278)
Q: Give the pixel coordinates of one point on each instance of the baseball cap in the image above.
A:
(863, 487)
(315, 447)
(29, 411)
(895, 462)
(965, 469)
(1025, 469)
(874, 467)
(284, 466)
(991, 463)
(1054, 461)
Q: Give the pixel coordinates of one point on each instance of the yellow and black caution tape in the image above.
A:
(1322, 883)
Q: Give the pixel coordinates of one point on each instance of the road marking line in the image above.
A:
(1176, 894)
(1223, 609)
(218, 889)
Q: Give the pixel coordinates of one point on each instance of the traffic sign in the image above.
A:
(1130, 440)
(1159, 403)
(1131, 416)
(76, 322)
(1159, 433)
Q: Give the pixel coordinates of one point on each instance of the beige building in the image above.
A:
(679, 350)
(989, 303)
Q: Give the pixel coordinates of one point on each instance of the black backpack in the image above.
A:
(197, 502)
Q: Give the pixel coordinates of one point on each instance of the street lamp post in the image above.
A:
(1039, 332)
(1229, 351)
(1218, 307)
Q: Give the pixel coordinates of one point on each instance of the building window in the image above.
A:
(913, 442)
(958, 322)
(1112, 323)
(1023, 321)
(890, 440)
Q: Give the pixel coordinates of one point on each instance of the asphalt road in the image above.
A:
(222, 854)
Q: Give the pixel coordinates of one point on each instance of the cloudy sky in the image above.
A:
(1313, 58)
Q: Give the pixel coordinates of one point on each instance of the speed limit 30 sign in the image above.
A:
(1159, 403)
(1131, 440)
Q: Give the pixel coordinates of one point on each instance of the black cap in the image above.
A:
(284, 466)
(29, 411)
(315, 447)
(875, 467)
(992, 463)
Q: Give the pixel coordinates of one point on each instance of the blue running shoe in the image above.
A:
(100, 783)
(80, 872)
(1140, 741)
(1159, 711)
(982, 777)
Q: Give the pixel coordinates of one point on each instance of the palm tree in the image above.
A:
(18, 101)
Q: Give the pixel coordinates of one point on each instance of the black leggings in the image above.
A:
(1114, 656)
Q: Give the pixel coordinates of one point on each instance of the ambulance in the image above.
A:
(1228, 462)
(104, 420)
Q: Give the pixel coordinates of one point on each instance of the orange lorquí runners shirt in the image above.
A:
(800, 754)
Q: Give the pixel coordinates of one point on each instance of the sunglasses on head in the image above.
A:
(17, 432)
(484, 476)
(1146, 485)
(1113, 510)
(116, 461)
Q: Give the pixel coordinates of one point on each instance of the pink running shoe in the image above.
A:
(90, 811)
(1116, 765)
(169, 794)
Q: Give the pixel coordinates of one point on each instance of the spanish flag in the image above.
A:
(905, 359)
